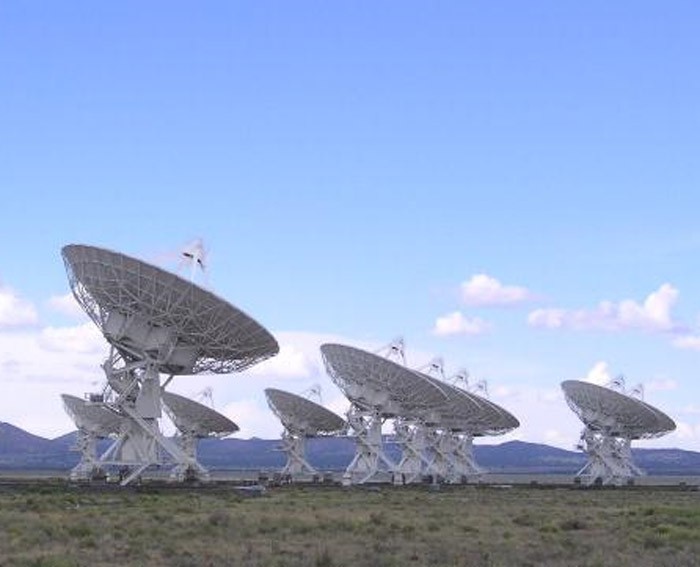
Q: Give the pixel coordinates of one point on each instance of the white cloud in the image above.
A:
(599, 374)
(15, 311)
(253, 419)
(485, 291)
(66, 305)
(290, 362)
(687, 342)
(543, 414)
(456, 323)
(653, 315)
(34, 373)
(85, 338)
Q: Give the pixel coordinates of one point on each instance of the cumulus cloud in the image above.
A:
(253, 419)
(290, 362)
(15, 311)
(66, 305)
(35, 369)
(456, 323)
(482, 290)
(599, 374)
(85, 338)
(543, 414)
(687, 342)
(653, 315)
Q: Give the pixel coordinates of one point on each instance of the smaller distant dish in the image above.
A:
(302, 416)
(197, 419)
(612, 421)
(302, 419)
(604, 409)
(94, 418)
(194, 421)
(94, 421)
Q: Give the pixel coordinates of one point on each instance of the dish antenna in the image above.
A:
(449, 451)
(379, 389)
(156, 322)
(194, 421)
(94, 422)
(416, 434)
(612, 420)
(301, 419)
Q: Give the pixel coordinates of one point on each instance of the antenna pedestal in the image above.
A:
(140, 443)
(465, 462)
(413, 442)
(191, 469)
(295, 448)
(89, 466)
(609, 459)
(370, 462)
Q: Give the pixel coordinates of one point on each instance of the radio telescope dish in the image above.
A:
(612, 421)
(156, 322)
(443, 446)
(152, 315)
(378, 389)
(301, 418)
(373, 382)
(194, 421)
(94, 422)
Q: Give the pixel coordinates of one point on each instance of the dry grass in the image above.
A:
(55, 525)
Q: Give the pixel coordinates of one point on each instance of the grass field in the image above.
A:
(52, 524)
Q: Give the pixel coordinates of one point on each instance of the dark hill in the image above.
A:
(17, 441)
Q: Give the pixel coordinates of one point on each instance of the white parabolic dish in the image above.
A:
(614, 413)
(197, 419)
(150, 314)
(96, 419)
(376, 383)
(466, 412)
(301, 416)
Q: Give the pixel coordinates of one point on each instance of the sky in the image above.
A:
(512, 186)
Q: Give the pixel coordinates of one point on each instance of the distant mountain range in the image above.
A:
(20, 450)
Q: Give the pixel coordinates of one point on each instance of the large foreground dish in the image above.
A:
(301, 418)
(612, 421)
(156, 322)
(147, 312)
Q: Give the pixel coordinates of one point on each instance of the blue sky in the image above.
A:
(352, 167)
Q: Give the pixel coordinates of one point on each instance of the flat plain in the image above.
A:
(56, 524)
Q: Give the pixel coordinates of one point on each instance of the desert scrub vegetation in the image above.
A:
(55, 524)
